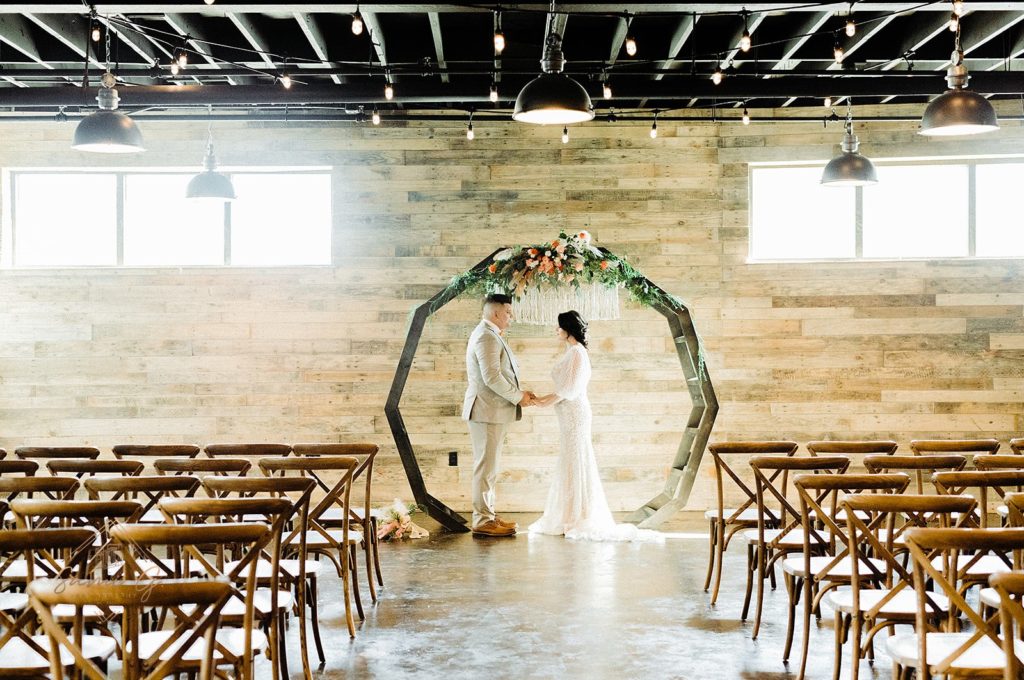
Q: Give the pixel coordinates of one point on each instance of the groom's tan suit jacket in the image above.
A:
(493, 394)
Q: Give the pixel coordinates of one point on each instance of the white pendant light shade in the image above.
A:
(210, 184)
(553, 98)
(958, 111)
(107, 130)
(849, 169)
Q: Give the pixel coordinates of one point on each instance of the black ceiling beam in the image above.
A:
(419, 92)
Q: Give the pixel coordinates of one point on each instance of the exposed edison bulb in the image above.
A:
(565, 135)
(746, 116)
(745, 41)
(494, 92)
(851, 28)
(654, 130)
(828, 102)
(958, 8)
(175, 69)
(182, 58)
(954, 22)
(469, 132)
(389, 92)
(838, 53)
(286, 81)
(630, 45)
(209, 2)
(375, 117)
(357, 23)
(606, 90)
(499, 41)
(717, 76)
(96, 33)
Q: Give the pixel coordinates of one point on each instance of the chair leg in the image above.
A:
(761, 559)
(282, 652)
(805, 643)
(346, 589)
(368, 550)
(719, 560)
(376, 551)
(837, 653)
(793, 587)
(712, 545)
(353, 564)
(315, 619)
(750, 581)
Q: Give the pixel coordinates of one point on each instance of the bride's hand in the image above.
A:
(547, 400)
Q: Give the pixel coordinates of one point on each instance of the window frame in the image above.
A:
(8, 226)
(971, 162)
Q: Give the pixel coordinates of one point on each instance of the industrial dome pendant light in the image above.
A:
(107, 130)
(210, 184)
(849, 169)
(958, 111)
(553, 98)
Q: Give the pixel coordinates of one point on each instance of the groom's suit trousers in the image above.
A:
(488, 439)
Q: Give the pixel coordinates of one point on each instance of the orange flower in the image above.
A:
(604, 264)
(533, 252)
(493, 268)
(554, 244)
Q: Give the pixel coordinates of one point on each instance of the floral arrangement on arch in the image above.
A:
(395, 522)
(569, 260)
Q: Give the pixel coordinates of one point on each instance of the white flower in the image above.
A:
(547, 253)
(595, 251)
(584, 236)
(503, 255)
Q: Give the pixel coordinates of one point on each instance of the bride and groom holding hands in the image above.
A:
(576, 506)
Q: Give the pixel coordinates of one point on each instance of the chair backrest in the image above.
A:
(57, 452)
(768, 490)
(999, 462)
(921, 467)
(337, 494)
(1010, 587)
(26, 468)
(875, 525)
(991, 486)
(925, 446)
(1014, 509)
(1017, 445)
(246, 450)
(207, 598)
(3, 454)
(945, 557)
(200, 467)
(365, 452)
(148, 489)
(883, 447)
(54, 488)
(155, 450)
(87, 467)
(723, 452)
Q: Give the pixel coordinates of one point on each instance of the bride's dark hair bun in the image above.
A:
(572, 323)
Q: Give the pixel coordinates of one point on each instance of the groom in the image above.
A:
(493, 400)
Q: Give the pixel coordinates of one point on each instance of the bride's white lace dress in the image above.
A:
(576, 506)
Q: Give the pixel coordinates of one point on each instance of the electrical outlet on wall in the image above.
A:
(453, 458)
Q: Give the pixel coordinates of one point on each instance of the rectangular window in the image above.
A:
(931, 208)
(142, 218)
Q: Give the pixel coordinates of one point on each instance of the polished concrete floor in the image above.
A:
(458, 607)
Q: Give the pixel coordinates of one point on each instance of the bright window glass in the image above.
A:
(162, 227)
(917, 211)
(66, 219)
(795, 217)
(999, 222)
(281, 219)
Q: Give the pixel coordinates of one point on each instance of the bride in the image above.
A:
(576, 505)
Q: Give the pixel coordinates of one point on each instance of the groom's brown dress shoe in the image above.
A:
(510, 525)
(492, 528)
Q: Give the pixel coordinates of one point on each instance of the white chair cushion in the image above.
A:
(151, 569)
(233, 639)
(289, 567)
(17, 654)
(315, 538)
(152, 516)
(793, 539)
(10, 602)
(747, 516)
(983, 654)
(902, 605)
(842, 569)
(989, 597)
(261, 602)
(985, 566)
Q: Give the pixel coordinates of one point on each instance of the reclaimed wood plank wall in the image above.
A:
(927, 348)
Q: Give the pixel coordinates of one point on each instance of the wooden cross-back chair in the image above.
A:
(724, 522)
(269, 604)
(826, 561)
(148, 489)
(53, 488)
(1017, 445)
(337, 544)
(189, 647)
(975, 446)
(767, 545)
(90, 468)
(29, 452)
(155, 451)
(138, 543)
(944, 557)
(886, 597)
(45, 553)
(25, 468)
(361, 513)
(3, 454)
(201, 467)
(921, 467)
(246, 450)
(1009, 588)
(999, 461)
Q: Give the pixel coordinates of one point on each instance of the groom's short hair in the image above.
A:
(498, 299)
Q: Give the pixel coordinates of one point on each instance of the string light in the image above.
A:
(389, 92)
(838, 52)
(828, 102)
(954, 22)
(958, 8)
(565, 135)
(286, 81)
(746, 116)
(494, 92)
(357, 22)
(499, 36)
(717, 76)
(606, 90)
(630, 40)
(175, 69)
(181, 57)
(209, 2)
(96, 32)
(375, 117)
(469, 129)
(745, 38)
(654, 126)
(851, 28)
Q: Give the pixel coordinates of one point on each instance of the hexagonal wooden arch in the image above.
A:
(696, 432)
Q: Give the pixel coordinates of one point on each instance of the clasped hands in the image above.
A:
(531, 399)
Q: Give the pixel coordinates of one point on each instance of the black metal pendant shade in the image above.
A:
(210, 184)
(849, 169)
(108, 130)
(958, 111)
(553, 98)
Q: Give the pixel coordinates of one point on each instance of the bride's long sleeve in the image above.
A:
(571, 381)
